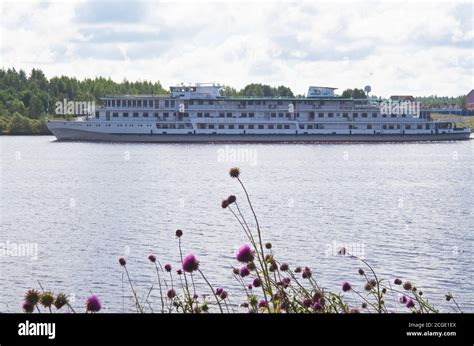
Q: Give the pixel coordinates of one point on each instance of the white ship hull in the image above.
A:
(64, 134)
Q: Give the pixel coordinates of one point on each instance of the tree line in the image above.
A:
(25, 100)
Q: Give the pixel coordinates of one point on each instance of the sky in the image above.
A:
(396, 47)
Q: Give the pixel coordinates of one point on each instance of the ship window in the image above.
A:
(273, 115)
(167, 103)
(310, 127)
(129, 103)
(156, 114)
(407, 127)
(113, 103)
(115, 115)
(207, 115)
(135, 115)
(172, 103)
(125, 115)
(251, 115)
(280, 115)
(288, 115)
(280, 103)
(221, 126)
(211, 126)
(345, 115)
(134, 103)
(384, 127)
(287, 126)
(391, 127)
(166, 115)
(250, 102)
(419, 127)
(229, 115)
(369, 127)
(321, 115)
(157, 103)
(145, 115)
(200, 102)
(145, 103)
(199, 115)
(355, 115)
(260, 127)
(221, 115)
(241, 126)
(211, 102)
(393, 115)
(231, 126)
(374, 115)
(427, 126)
(301, 127)
(250, 127)
(330, 115)
(244, 115)
(97, 114)
(191, 102)
(364, 115)
(279, 126)
(271, 127)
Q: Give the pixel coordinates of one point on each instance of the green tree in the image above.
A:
(19, 125)
(36, 108)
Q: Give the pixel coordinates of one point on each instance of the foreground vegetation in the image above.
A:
(268, 284)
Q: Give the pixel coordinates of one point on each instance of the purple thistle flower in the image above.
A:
(179, 233)
(28, 307)
(249, 286)
(223, 295)
(93, 304)
(283, 305)
(179, 272)
(224, 204)
(306, 273)
(397, 281)
(403, 299)
(231, 199)
(361, 271)
(219, 291)
(168, 267)
(316, 306)
(244, 271)
(245, 254)
(410, 303)
(152, 258)
(171, 293)
(306, 302)
(284, 267)
(257, 282)
(262, 303)
(346, 286)
(190, 263)
(122, 261)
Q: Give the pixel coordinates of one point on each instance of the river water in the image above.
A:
(74, 208)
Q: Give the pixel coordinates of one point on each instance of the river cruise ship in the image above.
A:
(198, 113)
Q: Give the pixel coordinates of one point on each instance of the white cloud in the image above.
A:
(398, 47)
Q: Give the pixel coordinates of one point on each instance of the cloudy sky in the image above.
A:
(398, 47)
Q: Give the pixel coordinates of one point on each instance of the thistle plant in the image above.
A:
(267, 284)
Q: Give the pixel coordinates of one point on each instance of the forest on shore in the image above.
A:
(27, 99)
